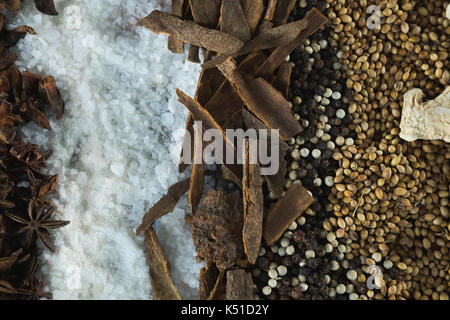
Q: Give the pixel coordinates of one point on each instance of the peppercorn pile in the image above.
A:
(389, 203)
(303, 265)
(25, 210)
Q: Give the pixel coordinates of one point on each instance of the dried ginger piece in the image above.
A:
(217, 229)
(425, 120)
(165, 205)
(163, 286)
(296, 200)
(253, 204)
(239, 285)
(263, 100)
(190, 32)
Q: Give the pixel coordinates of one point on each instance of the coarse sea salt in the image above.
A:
(113, 146)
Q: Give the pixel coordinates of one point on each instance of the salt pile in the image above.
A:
(112, 146)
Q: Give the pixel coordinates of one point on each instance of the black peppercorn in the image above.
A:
(263, 263)
(287, 261)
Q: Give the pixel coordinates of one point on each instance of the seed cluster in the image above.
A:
(390, 197)
(300, 264)
(379, 229)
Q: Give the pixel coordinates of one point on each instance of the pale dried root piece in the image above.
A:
(162, 284)
(425, 120)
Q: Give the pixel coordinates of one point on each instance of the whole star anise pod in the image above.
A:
(37, 225)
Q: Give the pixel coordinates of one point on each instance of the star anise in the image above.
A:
(35, 291)
(37, 225)
(40, 190)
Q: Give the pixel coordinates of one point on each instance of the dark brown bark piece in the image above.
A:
(200, 114)
(193, 54)
(12, 5)
(7, 61)
(163, 286)
(283, 78)
(296, 200)
(275, 183)
(218, 291)
(263, 100)
(270, 9)
(239, 285)
(271, 38)
(253, 204)
(217, 229)
(314, 20)
(205, 13)
(46, 7)
(208, 84)
(173, 44)
(233, 20)
(208, 278)
(190, 32)
(165, 205)
(282, 11)
(225, 103)
(253, 12)
(198, 172)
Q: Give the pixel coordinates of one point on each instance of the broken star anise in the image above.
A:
(37, 225)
